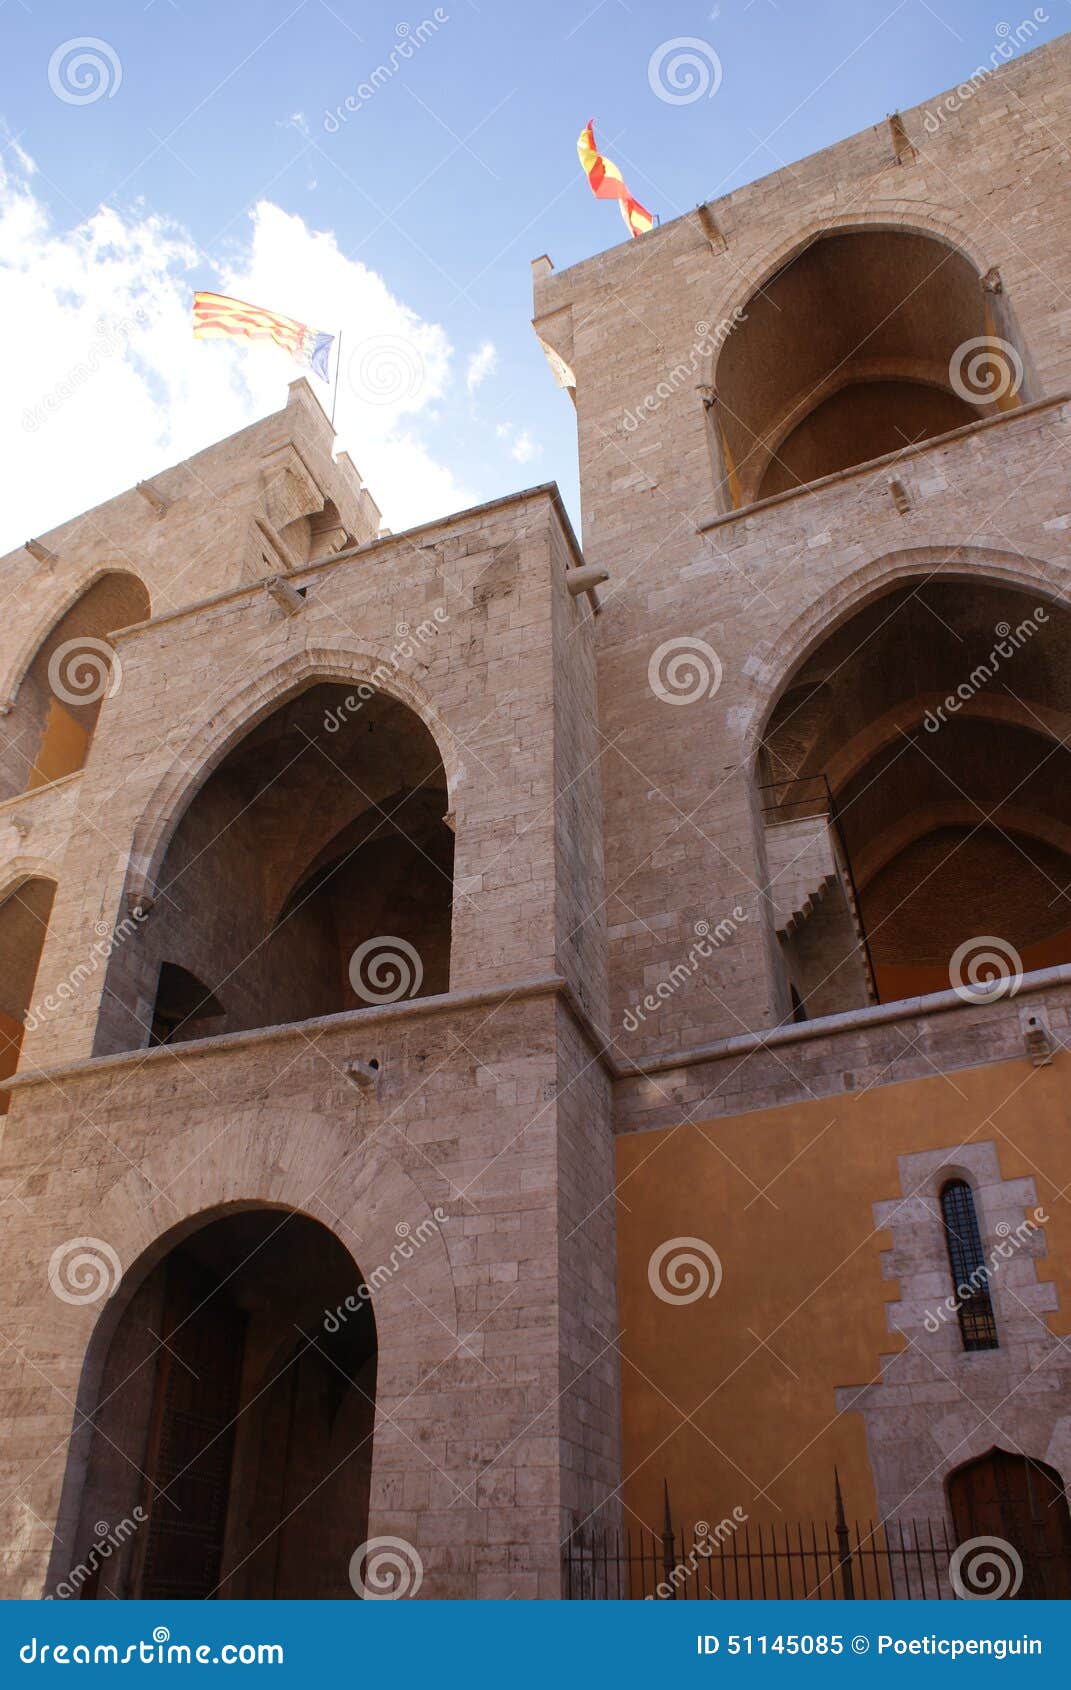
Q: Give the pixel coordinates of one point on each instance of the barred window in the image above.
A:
(970, 1275)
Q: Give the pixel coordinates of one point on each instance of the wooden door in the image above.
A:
(1022, 1501)
(191, 1438)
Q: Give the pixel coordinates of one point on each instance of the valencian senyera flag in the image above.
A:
(607, 183)
(214, 315)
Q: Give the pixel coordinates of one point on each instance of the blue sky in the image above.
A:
(414, 220)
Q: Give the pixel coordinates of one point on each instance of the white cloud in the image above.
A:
(106, 385)
(524, 448)
(481, 365)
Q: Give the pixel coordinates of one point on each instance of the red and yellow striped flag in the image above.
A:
(214, 315)
(607, 183)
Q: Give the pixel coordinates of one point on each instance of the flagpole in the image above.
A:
(338, 366)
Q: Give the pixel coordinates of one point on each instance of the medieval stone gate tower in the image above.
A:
(492, 1032)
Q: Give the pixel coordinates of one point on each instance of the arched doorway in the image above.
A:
(866, 341)
(229, 1413)
(24, 916)
(1024, 1503)
(311, 873)
(925, 735)
(48, 732)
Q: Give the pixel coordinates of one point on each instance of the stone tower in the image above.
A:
(494, 1036)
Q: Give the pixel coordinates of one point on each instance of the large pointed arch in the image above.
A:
(60, 677)
(861, 336)
(914, 749)
(195, 759)
(164, 1202)
(777, 661)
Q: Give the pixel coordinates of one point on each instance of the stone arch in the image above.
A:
(27, 893)
(880, 215)
(265, 881)
(357, 1192)
(12, 675)
(21, 868)
(243, 710)
(825, 614)
(890, 821)
(877, 372)
(51, 712)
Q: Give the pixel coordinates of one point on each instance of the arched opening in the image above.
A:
(225, 1422)
(865, 342)
(1023, 1503)
(24, 915)
(917, 799)
(49, 729)
(312, 873)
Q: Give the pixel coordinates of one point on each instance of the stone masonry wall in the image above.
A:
(760, 585)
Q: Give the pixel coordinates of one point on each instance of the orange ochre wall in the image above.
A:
(731, 1398)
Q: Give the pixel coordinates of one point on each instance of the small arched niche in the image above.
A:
(49, 729)
(916, 791)
(311, 873)
(24, 917)
(317, 536)
(223, 1433)
(865, 342)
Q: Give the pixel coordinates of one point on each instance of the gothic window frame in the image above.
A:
(967, 1264)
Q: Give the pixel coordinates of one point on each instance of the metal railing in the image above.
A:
(894, 1560)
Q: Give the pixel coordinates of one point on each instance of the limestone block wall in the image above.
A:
(481, 677)
(497, 1398)
(491, 1394)
(199, 536)
(936, 1406)
(757, 586)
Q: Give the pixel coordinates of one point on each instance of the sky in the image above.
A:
(152, 149)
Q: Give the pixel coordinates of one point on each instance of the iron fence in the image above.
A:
(893, 1560)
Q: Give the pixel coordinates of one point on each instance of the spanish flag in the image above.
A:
(214, 314)
(607, 183)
